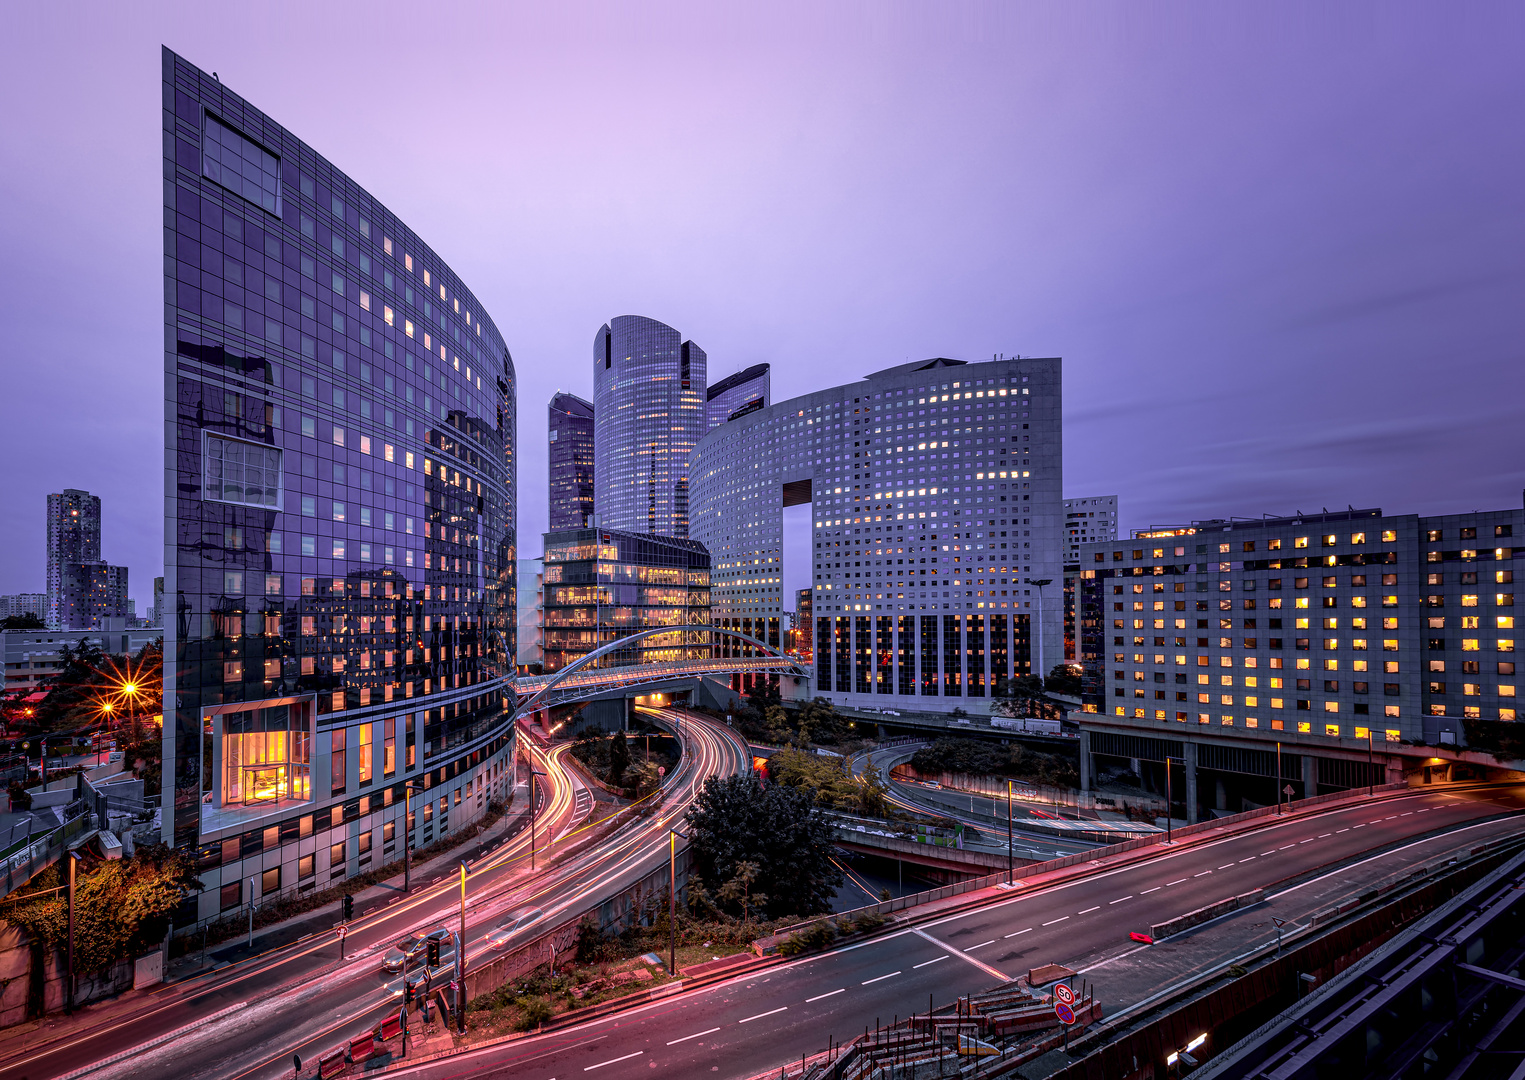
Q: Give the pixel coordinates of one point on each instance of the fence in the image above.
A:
(40, 853)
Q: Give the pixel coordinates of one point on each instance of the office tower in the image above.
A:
(531, 571)
(648, 412)
(74, 536)
(1086, 519)
(340, 551)
(738, 394)
(804, 622)
(604, 584)
(570, 456)
(1334, 639)
(935, 498)
(93, 593)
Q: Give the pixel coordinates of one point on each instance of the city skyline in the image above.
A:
(1264, 224)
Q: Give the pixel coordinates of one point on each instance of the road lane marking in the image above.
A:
(1023, 931)
(1337, 831)
(1088, 910)
(923, 964)
(880, 978)
(612, 1061)
(1177, 881)
(1146, 892)
(981, 945)
(1056, 921)
(1202, 874)
(994, 972)
(1252, 858)
(1119, 900)
(1271, 852)
(818, 997)
(702, 1034)
(1284, 847)
(1307, 841)
(1322, 835)
(759, 1016)
(1226, 866)
(1358, 826)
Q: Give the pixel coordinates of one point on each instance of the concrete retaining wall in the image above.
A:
(1205, 914)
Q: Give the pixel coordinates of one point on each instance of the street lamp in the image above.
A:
(1039, 583)
(1009, 867)
(407, 838)
(1170, 805)
(534, 772)
(460, 957)
(672, 899)
(74, 858)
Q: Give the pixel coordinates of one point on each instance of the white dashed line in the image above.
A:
(1202, 874)
(981, 945)
(1250, 859)
(881, 978)
(1119, 900)
(1265, 853)
(611, 1061)
(1019, 932)
(1358, 826)
(1088, 910)
(1177, 881)
(927, 963)
(1157, 888)
(712, 1031)
(1284, 847)
(1324, 834)
(1226, 866)
(1307, 841)
(1338, 831)
(1065, 919)
(759, 1016)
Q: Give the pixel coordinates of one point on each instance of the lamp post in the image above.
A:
(1009, 866)
(1039, 583)
(407, 838)
(460, 957)
(74, 858)
(1170, 805)
(1370, 782)
(533, 773)
(672, 899)
(1278, 779)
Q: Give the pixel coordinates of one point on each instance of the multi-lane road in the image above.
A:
(750, 1024)
(248, 1020)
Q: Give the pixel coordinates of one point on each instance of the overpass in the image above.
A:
(621, 666)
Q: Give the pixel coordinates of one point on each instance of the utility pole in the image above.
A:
(1170, 805)
(1370, 782)
(1278, 779)
(1009, 861)
(672, 900)
(1038, 633)
(460, 958)
(407, 839)
(533, 774)
(69, 1003)
(251, 913)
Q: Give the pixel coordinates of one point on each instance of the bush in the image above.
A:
(533, 1011)
(815, 937)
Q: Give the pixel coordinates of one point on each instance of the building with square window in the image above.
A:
(1086, 519)
(1338, 637)
(736, 395)
(934, 490)
(339, 571)
(570, 459)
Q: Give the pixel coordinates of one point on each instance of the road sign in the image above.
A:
(1065, 1014)
(1279, 922)
(1288, 790)
(341, 929)
(1064, 994)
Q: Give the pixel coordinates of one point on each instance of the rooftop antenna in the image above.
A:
(214, 75)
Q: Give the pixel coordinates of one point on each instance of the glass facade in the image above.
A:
(570, 456)
(649, 411)
(339, 509)
(601, 585)
(736, 395)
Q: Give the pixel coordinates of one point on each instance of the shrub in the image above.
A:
(533, 1011)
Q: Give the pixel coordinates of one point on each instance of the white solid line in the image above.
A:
(1177, 881)
(818, 997)
(1119, 900)
(1065, 919)
(1202, 874)
(698, 1035)
(759, 1016)
(881, 978)
(981, 945)
(1019, 932)
(1088, 910)
(611, 1061)
(1157, 888)
(944, 956)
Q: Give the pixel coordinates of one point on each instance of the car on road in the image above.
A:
(413, 947)
(500, 935)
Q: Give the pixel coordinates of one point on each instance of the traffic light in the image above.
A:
(349, 907)
(434, 952)
(407, 992)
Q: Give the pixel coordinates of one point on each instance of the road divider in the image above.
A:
(1182, 923)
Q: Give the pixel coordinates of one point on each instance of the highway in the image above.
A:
(247, 1020)
(760, 1021)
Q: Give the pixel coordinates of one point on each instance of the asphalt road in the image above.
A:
(247, 1020)
(749, 1025)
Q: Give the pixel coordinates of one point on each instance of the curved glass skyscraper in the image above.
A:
(649, 411)
(339, 516)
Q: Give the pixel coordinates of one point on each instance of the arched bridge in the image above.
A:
(625, 665)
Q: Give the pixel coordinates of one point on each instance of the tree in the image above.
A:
(122, 907)
(1064, 679)
(24, 621)
(735, 819)
(740, 888)
(619, 758)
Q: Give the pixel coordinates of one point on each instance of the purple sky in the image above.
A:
(1282, 250)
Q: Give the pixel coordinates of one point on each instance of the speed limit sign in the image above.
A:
(1064, 994)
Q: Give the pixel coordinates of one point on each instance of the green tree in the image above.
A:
(1064, 679)
(25, 621)
(739, 888)
(619, 758)
(778, 827)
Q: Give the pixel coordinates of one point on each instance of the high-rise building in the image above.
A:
(935, 497)
(74, 536)
(156, 617)
(1316, 640)
(340, 552)
(738, 394)
(570, 455)
(603, 584)
(1086, 519)
(33, 603)
(802, 626)
(93, 593)
(648, 411)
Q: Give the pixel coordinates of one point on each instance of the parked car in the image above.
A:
(413, 947)
(505, 932)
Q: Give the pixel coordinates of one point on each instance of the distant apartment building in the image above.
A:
(156, 616)
(33, 656)
(738, 394)
(601, 585)
(530, 598)
(802, 623)
(1092, 517)
(648, 413)
(31, 603)
(570, 457)
(1337, 643)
